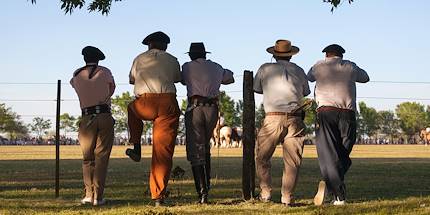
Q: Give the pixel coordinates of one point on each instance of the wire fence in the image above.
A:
(29, 100)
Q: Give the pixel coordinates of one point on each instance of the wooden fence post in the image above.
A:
(248, 171)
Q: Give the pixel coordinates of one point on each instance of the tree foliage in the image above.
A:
(227, 107)
(336, 3)
(101, 6)
(11, 123)
(40, 125)
(310, 117)
(412, 117)
(67, 123)
(368, 119)
(104, 6)
(259, 116)
(388, 124)
(119, 111)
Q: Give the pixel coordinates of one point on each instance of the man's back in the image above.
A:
(94, 91)
(335, 82)
(283, 85)
(204, 77)
(155, 71)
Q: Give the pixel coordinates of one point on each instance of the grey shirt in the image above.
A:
(204, 77)
(335, 82)
(283, 85)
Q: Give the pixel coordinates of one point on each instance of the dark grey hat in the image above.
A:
(197, 48)
(334, 48)
(93, 53)
(156, 37)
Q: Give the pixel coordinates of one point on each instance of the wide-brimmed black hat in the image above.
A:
(334, 48)
(197, 48)
(156, 37)
(93, 53)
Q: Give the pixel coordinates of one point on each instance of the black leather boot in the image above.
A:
(204, 188)
(200, 181)
(208, 171)
(136, 153)
(196, 176)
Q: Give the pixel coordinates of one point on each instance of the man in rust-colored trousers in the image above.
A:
(153, 75)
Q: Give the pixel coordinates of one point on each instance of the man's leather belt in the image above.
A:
(298, 113)
(202, 101)
(97, 109)
(330, 108)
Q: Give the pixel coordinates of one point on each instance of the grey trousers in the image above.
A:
(290, 132)
(200, 123)
(96, 139)
(335, 137)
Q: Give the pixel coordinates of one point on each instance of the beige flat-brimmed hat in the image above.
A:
(283, 48)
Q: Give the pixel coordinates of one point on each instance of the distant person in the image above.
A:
(283, 85)
(203, 79)
(335, 94)
(94, 85)
(153, 75)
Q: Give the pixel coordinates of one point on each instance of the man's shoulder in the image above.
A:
(320, 63)
(296, 67)
(266, 66)
(347, 62)
(104, 68)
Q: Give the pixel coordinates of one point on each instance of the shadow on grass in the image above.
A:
(127, 182)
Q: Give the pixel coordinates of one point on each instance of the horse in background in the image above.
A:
(425, 135)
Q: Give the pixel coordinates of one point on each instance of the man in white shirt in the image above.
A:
(203, 79)
(153, 75)
(283, 85)
(335, 94)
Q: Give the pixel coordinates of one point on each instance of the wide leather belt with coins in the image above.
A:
(97, 109)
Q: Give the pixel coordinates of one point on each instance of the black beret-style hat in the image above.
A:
(93, 53)
(156, 37)
(334, 48)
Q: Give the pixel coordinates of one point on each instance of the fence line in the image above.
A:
(123, 83)
(76, 100)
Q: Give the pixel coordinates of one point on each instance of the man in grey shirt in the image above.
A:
(335, 94)
(203, 79)
(283, 85)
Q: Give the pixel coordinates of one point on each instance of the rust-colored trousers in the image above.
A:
(163, 110)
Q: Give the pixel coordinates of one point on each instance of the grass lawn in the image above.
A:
(382, 180)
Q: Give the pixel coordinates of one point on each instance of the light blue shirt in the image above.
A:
(204, 77)
(335, 82)
(283, 85)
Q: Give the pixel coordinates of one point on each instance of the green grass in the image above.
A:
(382, 180)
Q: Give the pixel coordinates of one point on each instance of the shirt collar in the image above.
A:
(92, 64)
(334, 58)
(283, 62)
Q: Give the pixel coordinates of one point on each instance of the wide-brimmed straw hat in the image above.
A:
(283, 48)
(197, 48)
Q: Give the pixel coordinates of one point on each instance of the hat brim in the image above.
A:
(294, 50)
(198, 52)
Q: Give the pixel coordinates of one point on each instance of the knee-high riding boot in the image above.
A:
(200, 181)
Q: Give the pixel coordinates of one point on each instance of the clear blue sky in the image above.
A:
(39, 43)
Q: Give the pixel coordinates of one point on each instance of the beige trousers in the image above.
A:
(96, 135)
(290, 132)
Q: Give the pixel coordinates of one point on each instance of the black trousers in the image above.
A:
(199, 125)
(335, 136)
